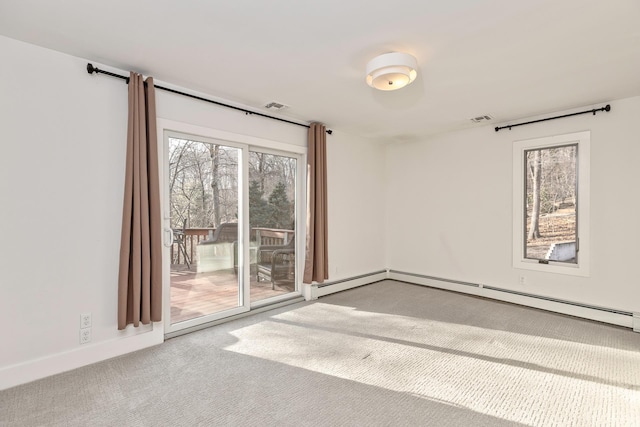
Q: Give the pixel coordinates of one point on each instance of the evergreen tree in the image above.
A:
(259, 210)
(280, 208)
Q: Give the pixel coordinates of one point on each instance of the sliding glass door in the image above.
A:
(231, 211)
(272, 220)
(204, 195)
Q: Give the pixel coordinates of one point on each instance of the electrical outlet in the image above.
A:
(85, 335)
(85, 320)
(523, 280)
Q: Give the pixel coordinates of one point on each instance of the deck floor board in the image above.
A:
(198, 294)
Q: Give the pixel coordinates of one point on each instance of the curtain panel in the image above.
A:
(140, 274)
(316, 267)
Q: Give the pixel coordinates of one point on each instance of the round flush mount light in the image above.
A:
(391, 71)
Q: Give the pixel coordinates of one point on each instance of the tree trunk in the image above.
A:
(214, 151)
(260, 157)
(534, 228)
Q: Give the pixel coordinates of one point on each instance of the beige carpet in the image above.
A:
(387, 354)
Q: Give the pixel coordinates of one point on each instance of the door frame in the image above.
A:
(245, 143)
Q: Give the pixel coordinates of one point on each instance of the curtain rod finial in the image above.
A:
(91, 69)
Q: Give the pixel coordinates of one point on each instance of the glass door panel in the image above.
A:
(272, 224)
(205, 276)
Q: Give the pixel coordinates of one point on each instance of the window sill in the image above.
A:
(552, 267)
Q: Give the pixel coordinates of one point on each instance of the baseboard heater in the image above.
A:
(561, 301)
(349, 279)
(439, 279)
(621, 317)
(318, 290)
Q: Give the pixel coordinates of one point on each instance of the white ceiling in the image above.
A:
(510, 59)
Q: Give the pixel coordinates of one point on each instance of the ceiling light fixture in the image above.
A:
(391, 71)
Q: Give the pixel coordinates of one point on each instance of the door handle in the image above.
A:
(170, 240)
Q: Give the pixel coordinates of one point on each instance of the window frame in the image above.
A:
(583, 141)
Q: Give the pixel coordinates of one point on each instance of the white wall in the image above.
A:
(449, 212)
(61, 190)
(61, 184)
(355, 177)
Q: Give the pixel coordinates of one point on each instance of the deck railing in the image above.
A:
(271, 236)
(193, 236)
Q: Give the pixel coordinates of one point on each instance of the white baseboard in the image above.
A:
(128, 341)
(311, 292)
(615, 317)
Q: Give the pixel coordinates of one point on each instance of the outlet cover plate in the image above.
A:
(85, 335)
(85, 320)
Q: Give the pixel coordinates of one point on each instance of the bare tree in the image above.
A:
(536, 171)
(203, 180)
(214, 151)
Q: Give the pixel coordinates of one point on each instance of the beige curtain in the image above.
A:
(316, 266)
(140, 277)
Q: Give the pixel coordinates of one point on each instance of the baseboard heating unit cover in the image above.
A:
(572, 308)
(322, 289)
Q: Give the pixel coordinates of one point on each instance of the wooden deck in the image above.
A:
(199, 294)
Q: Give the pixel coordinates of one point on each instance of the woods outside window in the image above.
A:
(551, 208)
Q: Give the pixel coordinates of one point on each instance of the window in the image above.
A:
(551, 209)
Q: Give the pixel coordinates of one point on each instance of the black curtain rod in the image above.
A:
(594, 111)
(91, 69)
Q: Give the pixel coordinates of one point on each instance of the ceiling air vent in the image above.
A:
(275, 106)
(481, 119)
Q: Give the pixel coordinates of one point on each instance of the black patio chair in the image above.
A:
(276, 263)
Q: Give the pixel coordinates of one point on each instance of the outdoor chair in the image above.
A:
(225, 233)
(276, 263)
(216, 252)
